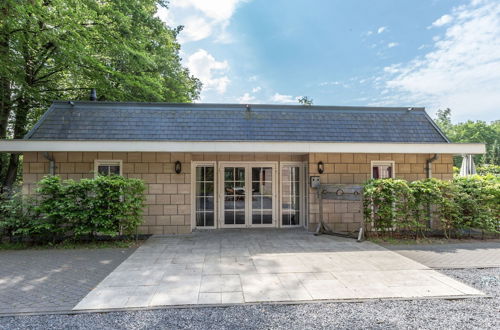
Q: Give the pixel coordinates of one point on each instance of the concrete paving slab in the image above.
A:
(251, 266)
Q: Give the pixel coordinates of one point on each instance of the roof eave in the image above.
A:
(238, 146)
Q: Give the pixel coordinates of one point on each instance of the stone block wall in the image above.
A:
(168, 194)
(348, 168)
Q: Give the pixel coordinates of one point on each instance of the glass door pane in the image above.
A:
(262, 196)
(290, 192)
(204, 196)
(234, 196)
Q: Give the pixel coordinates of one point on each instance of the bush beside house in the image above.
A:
(70, 209)
(464, 204)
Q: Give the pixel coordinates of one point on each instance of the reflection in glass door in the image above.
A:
(248, 195)
(205, 180)
(290, 195)
(234, 196)
(262, 196)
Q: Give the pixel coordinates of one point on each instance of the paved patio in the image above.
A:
(249, 266)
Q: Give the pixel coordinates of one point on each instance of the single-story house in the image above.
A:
(236, 166)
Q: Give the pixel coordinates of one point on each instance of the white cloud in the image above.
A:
(282, 98)
(462, 71)
(256, 89)
(246, 98)
(210, 71)
(381, 29)
(392, 44)
(443, 20)
(329, 83)
(201, 18)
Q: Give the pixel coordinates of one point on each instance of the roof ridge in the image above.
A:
(224, 106)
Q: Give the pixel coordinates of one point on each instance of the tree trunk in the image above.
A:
(5, 92)
(19, 132)
(11, 174)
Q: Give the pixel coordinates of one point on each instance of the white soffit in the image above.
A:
(240, 146)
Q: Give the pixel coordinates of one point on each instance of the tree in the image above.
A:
(472, 132)
(305, 100)
(60, 49)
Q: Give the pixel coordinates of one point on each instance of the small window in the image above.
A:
(108, 167)
(382, 169)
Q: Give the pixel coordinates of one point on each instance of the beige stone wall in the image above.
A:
(168, 195)
(348, 168)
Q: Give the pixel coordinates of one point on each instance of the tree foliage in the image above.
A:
(305, 100)
(60, 49)
(473, 132)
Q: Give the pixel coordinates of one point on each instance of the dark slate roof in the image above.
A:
(233, 122)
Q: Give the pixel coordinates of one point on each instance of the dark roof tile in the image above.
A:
(225, 122)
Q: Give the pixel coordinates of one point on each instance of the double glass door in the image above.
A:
(248, 195)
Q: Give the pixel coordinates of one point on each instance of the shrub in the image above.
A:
(16, 213)
(104, 205)
(465, 203)
(478, 198)
(426, 193)
(488, 169)
(387, 204)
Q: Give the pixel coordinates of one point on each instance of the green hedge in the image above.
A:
(465, 203)
(102, 206)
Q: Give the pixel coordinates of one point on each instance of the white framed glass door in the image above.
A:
(234, 196)
(247, 195)
(292, 194)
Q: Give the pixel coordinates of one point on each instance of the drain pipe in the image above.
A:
(52, 163)
(428, 170)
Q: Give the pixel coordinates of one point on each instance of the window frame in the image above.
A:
(110, 162)
(383, 162)
(194, 165)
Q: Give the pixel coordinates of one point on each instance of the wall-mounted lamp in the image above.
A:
(321, 167)
(178, 167)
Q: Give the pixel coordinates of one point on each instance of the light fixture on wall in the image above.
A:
(321, 167)
(178, 167)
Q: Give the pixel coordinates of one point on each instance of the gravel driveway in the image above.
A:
(475, 313)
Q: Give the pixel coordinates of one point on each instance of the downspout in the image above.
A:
(52, 163)
(428, 170)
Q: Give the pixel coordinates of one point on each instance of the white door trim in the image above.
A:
(195, 164)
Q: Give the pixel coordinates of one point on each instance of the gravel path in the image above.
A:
(475, 313)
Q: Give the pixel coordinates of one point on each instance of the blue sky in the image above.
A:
(432, 53)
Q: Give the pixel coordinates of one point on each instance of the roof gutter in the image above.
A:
(19, 146)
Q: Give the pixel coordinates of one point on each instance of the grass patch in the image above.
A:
(70, 245)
